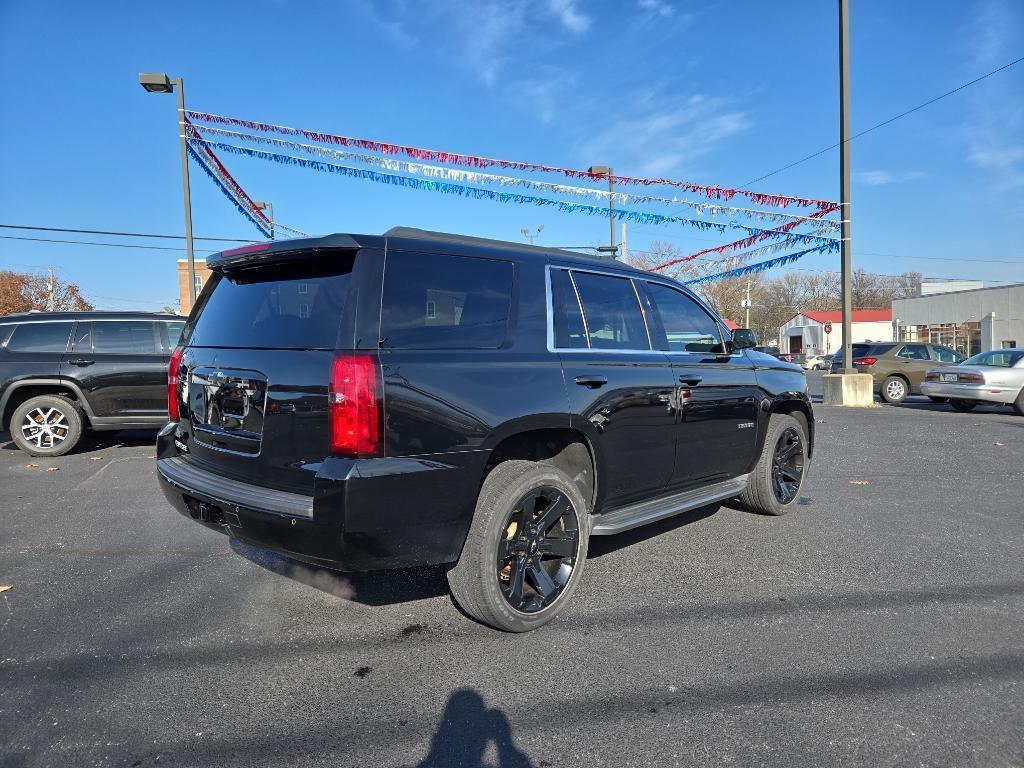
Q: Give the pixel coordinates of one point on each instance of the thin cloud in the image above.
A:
(659, 7)
(570, 16)
(661, 137)
(882, 178)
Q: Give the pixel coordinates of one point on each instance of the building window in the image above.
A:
(303, 287)
(1009, 345)
(431, 310)
(304, 310)
(199, 283)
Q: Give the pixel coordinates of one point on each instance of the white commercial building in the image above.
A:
(821, 333)
(970, 321)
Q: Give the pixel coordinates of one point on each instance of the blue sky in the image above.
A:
(711, 92)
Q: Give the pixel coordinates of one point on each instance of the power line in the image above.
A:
(886, 122)
(125, 234)
(108, 245)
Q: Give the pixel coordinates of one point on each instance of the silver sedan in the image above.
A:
(995, 377)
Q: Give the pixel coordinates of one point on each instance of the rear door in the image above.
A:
(34, 350)
(913, 362)
(620, 388)
(716, 433)
(256, 366)
(121, 368)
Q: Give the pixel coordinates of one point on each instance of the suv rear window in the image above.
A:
(40, 337)
(296, 304)
(868, 350)
(433, 301)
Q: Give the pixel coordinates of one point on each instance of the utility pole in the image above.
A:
(623, 253)
(606, 170)
(747, 305)
(50, 304)
(844, 182)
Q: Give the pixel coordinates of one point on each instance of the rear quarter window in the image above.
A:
(294, 304)
(40, 337)
(436, 301)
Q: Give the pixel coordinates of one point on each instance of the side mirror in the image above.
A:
(743, 338)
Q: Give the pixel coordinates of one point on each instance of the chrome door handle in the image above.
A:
(80, 361)
(689, 380)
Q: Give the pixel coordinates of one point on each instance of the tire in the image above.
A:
(1018, 404)
(963, 405)
(894, 390)
(762, 495)
(63, 429)
(937, 399)
(487, 592)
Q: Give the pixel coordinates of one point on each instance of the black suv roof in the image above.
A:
(90, 315)
(410, 239)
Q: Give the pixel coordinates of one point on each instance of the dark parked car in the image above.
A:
(62, 373)
(897, 368)
(369, 402)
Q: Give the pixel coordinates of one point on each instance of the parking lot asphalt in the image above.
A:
(880, 623)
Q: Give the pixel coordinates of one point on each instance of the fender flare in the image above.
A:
(50, 381)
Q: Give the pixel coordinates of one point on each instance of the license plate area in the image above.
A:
(226, 407)
(948, 377)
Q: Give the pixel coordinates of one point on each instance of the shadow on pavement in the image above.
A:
(466, 730)
(603, 545)
(98, 441)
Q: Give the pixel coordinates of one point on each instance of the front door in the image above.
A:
(718, 396)
(913, 361)
(621, 392)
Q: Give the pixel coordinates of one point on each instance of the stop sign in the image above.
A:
(828, 327)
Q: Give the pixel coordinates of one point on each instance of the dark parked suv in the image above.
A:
(369, 402)
(62, 373)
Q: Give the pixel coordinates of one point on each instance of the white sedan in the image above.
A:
(816, 363)
(995, 378)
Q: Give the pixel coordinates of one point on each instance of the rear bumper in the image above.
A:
(364, 515)
(985, 393)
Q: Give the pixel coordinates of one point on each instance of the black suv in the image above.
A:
(369, 402)
(62, 373)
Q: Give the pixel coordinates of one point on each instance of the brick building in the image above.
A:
(202, 274)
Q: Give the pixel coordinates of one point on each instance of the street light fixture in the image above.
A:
(269, 208)
(159, 82)
(606, 170)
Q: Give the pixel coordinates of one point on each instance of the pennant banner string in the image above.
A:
(761, 266)
(474, 161)
(225, 176)
(474, 177)
(202, 162)
(478, 193)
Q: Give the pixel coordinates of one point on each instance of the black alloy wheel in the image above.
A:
(787, 465)
(538, 549)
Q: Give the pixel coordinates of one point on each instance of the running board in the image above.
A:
(644, 512)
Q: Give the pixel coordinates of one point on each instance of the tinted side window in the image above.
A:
(5, 331)
(433, 301)
(946, 355)
(82, 341)
(913, 352)
(568, 322)
(130, 337)
(40, 337)
(688, 328)
(611, 312)
(172, 331)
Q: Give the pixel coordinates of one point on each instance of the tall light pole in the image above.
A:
(159, 82)
(606, 170)
(844, 182)
(269, 208)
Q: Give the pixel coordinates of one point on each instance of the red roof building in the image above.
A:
(821, 333)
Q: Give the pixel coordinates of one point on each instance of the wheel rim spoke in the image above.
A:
(527, 556)
(787, 465)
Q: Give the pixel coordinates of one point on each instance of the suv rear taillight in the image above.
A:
(865, 360)
(354, 406)
(172, 384)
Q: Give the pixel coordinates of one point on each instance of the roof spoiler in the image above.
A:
(278, 250)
